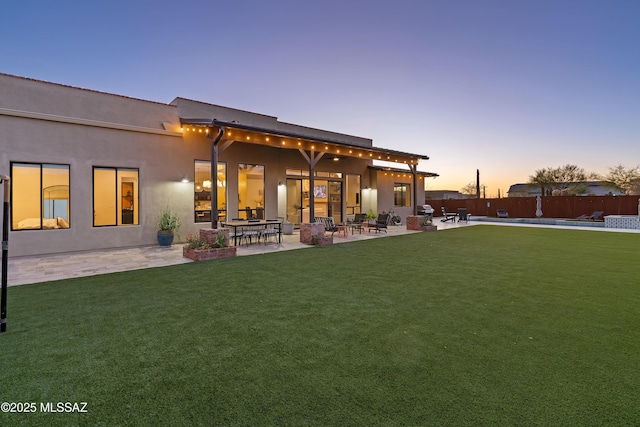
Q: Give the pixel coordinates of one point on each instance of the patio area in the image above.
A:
(25, 270)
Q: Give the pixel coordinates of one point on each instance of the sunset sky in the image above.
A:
(503, 86)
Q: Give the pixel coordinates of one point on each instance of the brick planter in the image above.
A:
(414, 222)
(313, 234)
(208, 254)
(211, 236)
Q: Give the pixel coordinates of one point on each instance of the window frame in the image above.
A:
(405, 194)
(118, 195)
(205, 218)
(42, 166)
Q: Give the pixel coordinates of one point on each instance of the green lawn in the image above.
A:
(481, 325)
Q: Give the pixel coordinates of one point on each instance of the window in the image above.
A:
(202, 191)
(115, 196)
(250, 191)
(40, 196)
(401, 194)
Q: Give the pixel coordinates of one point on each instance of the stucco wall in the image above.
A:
(162, 160)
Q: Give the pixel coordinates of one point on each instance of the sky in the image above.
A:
(505, 87)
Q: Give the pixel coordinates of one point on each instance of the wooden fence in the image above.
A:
(552, 206)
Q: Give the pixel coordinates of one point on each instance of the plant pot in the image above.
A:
(165, 237)
(287, 228)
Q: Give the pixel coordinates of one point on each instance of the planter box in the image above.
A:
(208, 254)
(414, 222)
(211, 235)
(322, 240)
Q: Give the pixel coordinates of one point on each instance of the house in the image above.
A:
(588, 188)
(446, 195)
(92, 170)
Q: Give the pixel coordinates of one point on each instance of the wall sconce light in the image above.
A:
(206, 184)
(184, 179)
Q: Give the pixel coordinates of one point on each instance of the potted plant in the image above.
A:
(168, 223)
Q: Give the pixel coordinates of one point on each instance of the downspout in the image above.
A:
(5, 253)
(214, 178)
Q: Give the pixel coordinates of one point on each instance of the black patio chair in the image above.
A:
(463, 215)
(328, 222)
(357, 222)
(381, 223)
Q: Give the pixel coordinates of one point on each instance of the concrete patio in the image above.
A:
(25, 270)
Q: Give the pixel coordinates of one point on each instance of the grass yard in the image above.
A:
(480, 325)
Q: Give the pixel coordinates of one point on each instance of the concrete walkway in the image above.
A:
(25, 270)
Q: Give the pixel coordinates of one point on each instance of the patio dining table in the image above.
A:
(258, 224)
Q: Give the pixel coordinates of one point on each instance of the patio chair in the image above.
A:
(595, 216)
(448, 216)
(329, 224)
(502, 213)
(357, 222)
(235, 233)
(270, 230)
(381, 223)
(463, 215)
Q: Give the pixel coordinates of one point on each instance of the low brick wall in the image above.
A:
(209, 254)
(313, 234)
(211, 235)
(415, 222)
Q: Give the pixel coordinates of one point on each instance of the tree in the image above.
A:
(567, 179)
(542, 178)
(470, 189)
(625, 179)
